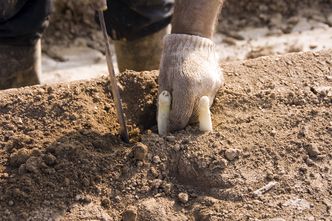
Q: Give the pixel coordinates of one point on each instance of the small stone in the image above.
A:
(66, 181)
(49, 159)
(156, 159)
(223, 163)
(183, 197)
(310, 162)
(118, 198)
(83, 199)
(231, 154)
(167, 188)
(86, 200)
(140, 151)
(105, 203)
(35, 152)
(156, 183)
(22, 170)
(19, 157)
(313, 150)
(32, 165)
(130, 214)
(303, 169)
(273, 132)
(176, 147)
(78, 197)
(19, 120)
(154, 172)
(11, 203)
(170, 138)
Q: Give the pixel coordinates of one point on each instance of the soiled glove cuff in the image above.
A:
(187, 43)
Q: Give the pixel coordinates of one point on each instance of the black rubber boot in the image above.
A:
(19, 65)
(140, 55)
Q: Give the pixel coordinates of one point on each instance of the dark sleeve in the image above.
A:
(133, 19)
(23, 22)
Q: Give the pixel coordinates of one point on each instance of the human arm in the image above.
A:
(189, 66)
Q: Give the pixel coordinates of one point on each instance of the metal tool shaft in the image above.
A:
(115, 89)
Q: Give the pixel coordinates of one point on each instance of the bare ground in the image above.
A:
(61, 158)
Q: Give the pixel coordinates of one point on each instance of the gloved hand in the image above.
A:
(99, 5)
(189, 69)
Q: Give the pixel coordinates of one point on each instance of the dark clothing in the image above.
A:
(23, 21)
(133, 19)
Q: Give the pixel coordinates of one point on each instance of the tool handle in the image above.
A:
(115, 89)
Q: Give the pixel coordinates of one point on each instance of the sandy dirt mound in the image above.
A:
(269, 157)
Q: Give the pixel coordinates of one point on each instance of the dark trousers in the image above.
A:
(23, 21)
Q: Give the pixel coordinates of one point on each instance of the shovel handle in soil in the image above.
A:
(115, 90)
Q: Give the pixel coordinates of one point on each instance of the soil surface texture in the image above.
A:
(269, 157)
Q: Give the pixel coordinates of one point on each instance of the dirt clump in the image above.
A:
(61, 157)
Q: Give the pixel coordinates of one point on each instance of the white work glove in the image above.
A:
(189, 69)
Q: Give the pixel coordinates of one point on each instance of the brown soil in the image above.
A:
(61, 158)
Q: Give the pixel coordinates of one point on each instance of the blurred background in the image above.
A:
(73, 47)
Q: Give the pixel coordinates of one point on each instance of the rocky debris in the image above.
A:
(32, 164)
(105, 202)
(36, 152)
(167, 187)
(156, 183)
(265, 188)
(183, 197)
(309, 162)
(156, 159)
(157, 209)
(84, 199)
(223, 163)
(130, 214)
(231, 154)
(176, 147)
(313, 150)
(300, 204)
(140, 151)
(91, 211)
(323, 91)
(154, 172)
(49, 159)
(19, 157)
(170, 138)
(10, 203)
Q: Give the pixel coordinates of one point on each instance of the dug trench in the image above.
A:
(61, 157)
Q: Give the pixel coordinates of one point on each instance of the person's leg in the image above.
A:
(137, 28)
(140, 54)
(21, 25)
(20, 65)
